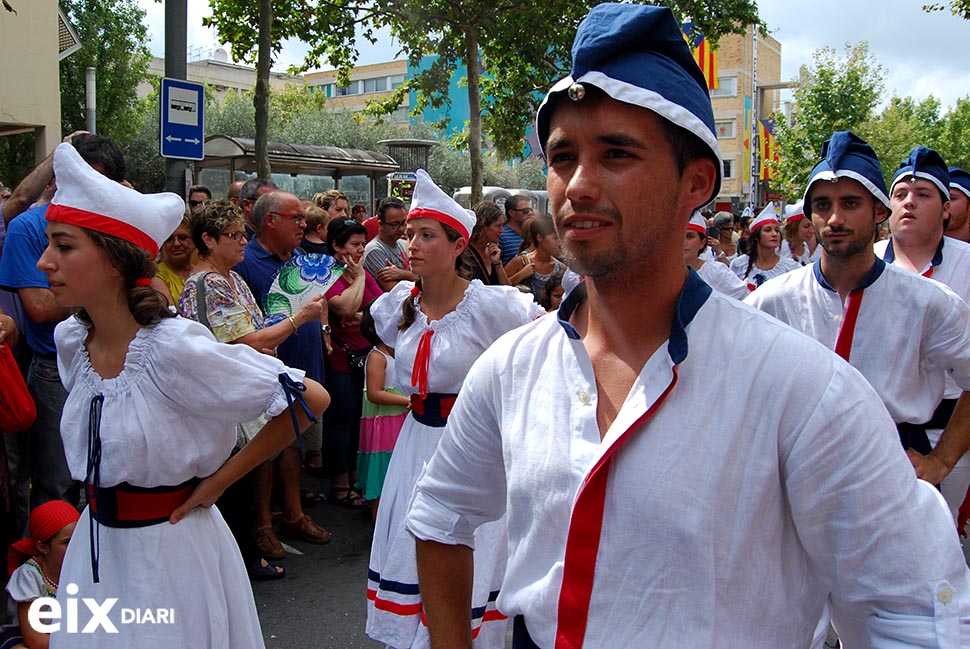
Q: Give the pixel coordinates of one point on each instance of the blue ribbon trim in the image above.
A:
(294, 393)
(92, 480)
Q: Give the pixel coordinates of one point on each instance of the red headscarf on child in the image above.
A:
(45, 521)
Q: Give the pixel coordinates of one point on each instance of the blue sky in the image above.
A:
(922, 53)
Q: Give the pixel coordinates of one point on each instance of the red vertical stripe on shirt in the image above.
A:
(929, 272)
(583, 539)
(843, 344)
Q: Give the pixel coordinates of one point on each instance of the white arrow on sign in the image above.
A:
(193, 140)
(172, 138)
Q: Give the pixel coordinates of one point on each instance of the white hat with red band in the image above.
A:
(795, 211)
(429, 202)
(697, 223)
(87, 199)
(767, 215)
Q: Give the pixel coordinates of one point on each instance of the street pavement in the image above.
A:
(321, 602)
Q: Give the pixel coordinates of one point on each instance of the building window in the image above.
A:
(725, 129)
(728, 167)
(375, 85)
(396, 81)
(727, 87)
(352, 89)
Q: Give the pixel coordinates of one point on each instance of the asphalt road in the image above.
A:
(321, 603)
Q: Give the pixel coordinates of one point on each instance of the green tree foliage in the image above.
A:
(959, 8)
(112, 34)
(509, 50)
(906, 123)
(901, 125)
(16, 157)
(842, 93)
(299, 116)
(954, 139)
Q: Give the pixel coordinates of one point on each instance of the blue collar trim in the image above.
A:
(569, 304)
(890, 254)
(692, 297)
(874, 273)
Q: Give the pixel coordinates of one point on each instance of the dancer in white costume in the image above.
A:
(718, 276)
(449, 323)
(146, 418)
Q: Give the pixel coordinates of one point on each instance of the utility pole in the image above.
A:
(176, 42)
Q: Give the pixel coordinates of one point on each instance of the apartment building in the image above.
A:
(734, 107)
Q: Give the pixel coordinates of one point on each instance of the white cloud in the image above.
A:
(922, 53)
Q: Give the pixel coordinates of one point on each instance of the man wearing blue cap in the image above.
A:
(920, 200)
(849, 301)
(959, 226)
(651, 502)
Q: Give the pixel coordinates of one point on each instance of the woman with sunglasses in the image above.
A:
(438, 327)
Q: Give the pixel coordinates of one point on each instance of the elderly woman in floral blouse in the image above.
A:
(229, 310)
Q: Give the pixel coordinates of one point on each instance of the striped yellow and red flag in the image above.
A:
(767, 149)
(704, 53)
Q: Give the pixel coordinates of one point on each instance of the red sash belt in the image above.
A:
(126, 505)
(432, 409)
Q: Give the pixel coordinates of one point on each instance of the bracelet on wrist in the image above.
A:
(293, 322)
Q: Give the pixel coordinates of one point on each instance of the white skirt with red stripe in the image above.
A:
(394, 609)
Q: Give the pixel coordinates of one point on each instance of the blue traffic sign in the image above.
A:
(182, 127)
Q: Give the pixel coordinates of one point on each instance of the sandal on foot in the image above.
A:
(263, 570)
(305, 530)
(346, 497)
(268, 544)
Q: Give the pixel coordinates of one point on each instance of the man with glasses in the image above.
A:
(386, 256)
(517, 209)
(279, 221)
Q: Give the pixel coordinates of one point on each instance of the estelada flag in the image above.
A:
(767, 148)
(704, 54)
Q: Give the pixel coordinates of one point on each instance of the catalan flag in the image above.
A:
(767, 148)
(704, 54)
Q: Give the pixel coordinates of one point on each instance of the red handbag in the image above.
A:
(17, 409)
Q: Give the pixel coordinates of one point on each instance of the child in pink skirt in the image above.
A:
(382, 416)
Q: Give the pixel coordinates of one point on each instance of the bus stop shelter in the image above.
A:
(235, 154)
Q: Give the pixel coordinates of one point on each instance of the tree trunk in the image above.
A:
(261, 98)
(474, 115)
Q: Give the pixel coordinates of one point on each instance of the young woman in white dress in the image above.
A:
(717, 275)
(149, 424)
(763, 261)
(438, 327)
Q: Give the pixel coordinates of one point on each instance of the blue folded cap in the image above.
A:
(960, 179)
(846, 155)
(924, 162)
(637, 54)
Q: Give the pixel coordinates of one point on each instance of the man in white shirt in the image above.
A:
(959, 225)
(642, 512)
(903, 333)
(920, 200)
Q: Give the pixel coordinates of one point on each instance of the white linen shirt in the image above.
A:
(722, 526)
(909, 335)
(720, 278)
(951, 266)
(758, 276)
